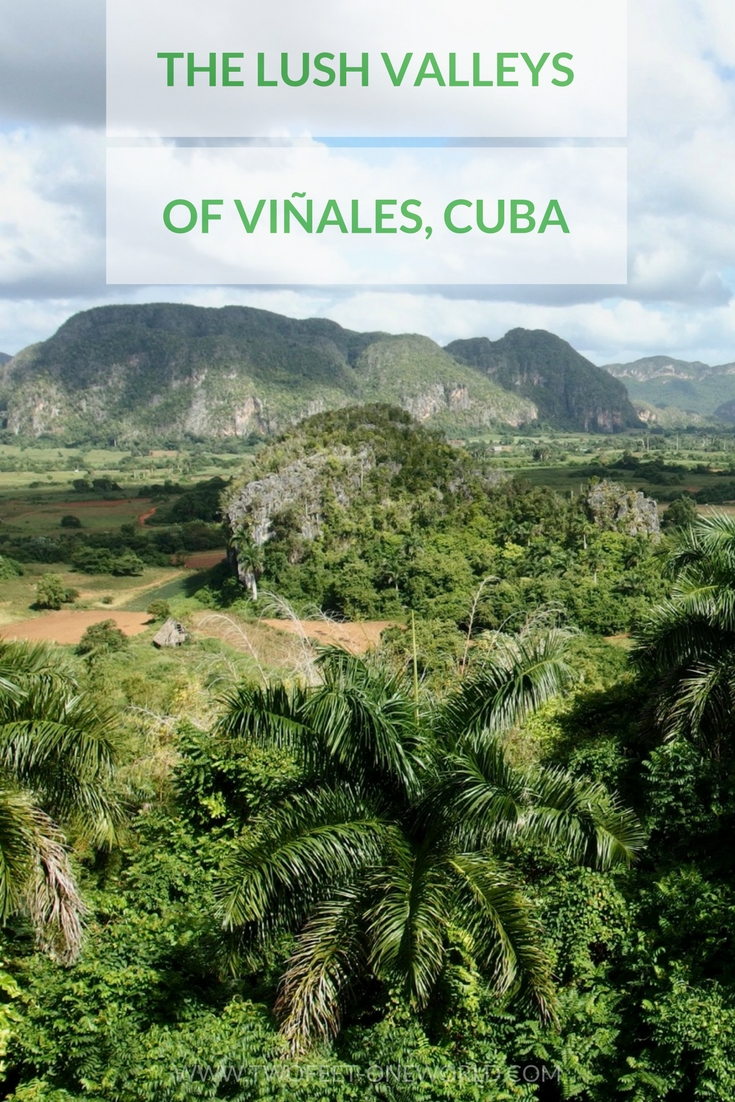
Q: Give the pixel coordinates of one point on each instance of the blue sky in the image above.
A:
(679, 299)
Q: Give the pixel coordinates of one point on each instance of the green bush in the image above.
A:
(50, 591)
(102, 638)
(9, 568)
(127, 565)
(159, 609)
(70, 521)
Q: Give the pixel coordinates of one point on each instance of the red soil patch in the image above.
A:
(144, 516)
(67, 626)
(354, 637)
(204, 560)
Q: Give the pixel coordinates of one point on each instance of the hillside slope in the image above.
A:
(569, 391)
(688, 385)
(142, 371)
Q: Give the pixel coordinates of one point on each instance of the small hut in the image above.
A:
(170, 634)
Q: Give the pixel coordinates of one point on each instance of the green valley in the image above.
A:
(378, 750)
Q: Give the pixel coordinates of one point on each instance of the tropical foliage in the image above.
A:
(56, 758)
(392, 851)
(687, 643)
(477, 864)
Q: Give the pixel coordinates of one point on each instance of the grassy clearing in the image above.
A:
(166, 591)
(96, 591)
(43, 517)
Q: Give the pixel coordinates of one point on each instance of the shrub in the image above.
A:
(681, 513)
(102, 638)
(93, 560)
(70, 521)
(127, 564)
(159, 609)
(50, 591)
(9, 568)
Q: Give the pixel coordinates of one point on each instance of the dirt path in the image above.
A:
(68, 626)
(144, 516)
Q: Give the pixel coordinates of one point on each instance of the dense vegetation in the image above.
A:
(395, 519)
(492, 860)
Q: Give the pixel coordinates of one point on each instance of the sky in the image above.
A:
(680, 296)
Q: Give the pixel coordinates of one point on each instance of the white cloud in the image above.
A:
(52, 60)
(681, 209)
(51, 224)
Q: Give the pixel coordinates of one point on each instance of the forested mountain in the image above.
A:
(4, 357)
(363, 513)
(569, 391)
(160, 369)
(139, 372)
(665, 382)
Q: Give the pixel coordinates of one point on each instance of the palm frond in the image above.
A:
(69, 763)
(52, 899)
(329, 954)
(523, 674)
(274, 716)
(406, 926)
(481, 796)
(286, 863)
(506, 937)
(367, 719)
(699, 702)
(581, 817)
(35, 875)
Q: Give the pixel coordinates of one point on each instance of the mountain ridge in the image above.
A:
(689, 385)
(134, 372)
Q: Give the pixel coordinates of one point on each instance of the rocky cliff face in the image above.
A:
(689, 386)
(666, 367)
(367, 455)
(298, 488)
(569, 391)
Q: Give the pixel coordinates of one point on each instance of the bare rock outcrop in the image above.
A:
(299, 487)
(613, 508)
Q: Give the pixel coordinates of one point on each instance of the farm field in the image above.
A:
(44, 517)
(68, 627)
(17, 595)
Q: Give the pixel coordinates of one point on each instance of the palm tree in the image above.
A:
(249, 561)
(395, 843)
(57, 755)
(687, 644)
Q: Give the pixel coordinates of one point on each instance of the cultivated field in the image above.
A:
(67, 626)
